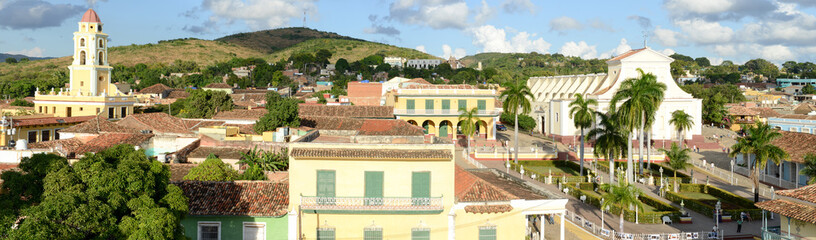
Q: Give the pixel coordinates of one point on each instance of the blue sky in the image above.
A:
(737, 30)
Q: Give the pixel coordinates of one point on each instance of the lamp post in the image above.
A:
(661, 180)
(717, 214)
(637, 220)
(682, 207)
(602, 214)
(732, 170)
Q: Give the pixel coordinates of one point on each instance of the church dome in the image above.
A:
(90, 16)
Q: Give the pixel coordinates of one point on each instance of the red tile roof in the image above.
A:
(107, 140)
(220, 152)
(370, 127)
(796, 144)
(157, 122)
(627, 54)
(243, 114)
(441, 86)
(157, 88)
(469, 188)
(372, 154)
(239, 198)
(741, 111)
(178, 93)
(766, 112)
(90, 16)
(218, 85)
(806, 193)
(791, 209)
(346, 111)
(179, 170)
(50, 120)
(98, 125)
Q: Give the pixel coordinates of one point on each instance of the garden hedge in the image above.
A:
(746, 205)
(628, 215)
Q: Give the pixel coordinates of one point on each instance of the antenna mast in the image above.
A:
(304, 18)
(645, 38)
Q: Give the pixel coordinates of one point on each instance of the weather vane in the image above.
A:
(645, 38)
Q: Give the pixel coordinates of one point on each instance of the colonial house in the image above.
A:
(797, 208)
(786, 174)
(554, 94)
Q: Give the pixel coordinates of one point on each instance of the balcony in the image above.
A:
(442, 112)
(364, 205)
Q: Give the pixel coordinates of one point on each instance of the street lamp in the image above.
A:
(661, 180)
(717, 210)
(602, 214)
(637, 220)
(732, 170)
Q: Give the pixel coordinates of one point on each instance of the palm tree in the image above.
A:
(517, 96)
(678, 160)
(583, 116)
(623, 195)
(758, 142)
(467, 120)
(265, 160)
(682, 122)
(610, 140)
(641, 98)
(809, 169)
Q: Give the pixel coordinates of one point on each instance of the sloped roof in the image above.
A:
(766, 112)
(49, 120)
(352, 111)
(157, 88)
(220, 152)
(469, 188)
(796, 144)
(440, 86)
(239, 198)
(794, 209)
(804, 108)
(107, 140)
(806, 193)
(251, 114)
(627, 54)
(218, 85)
(178, 93)
(90, 16)
(741, 111)
(369, 127)
(157, 122)
(98, 125)
(374, 154)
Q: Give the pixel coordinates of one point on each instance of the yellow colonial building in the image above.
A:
(90, 92)
(363, 185)
(436, 108)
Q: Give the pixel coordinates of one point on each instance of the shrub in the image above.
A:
(21, 103)
(629, 215)
(707, 209)
(525, 122)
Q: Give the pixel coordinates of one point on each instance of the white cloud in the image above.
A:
(485, 13)
(668, 51)
(579, 49)
(437, 14)
(715, 60)
(713, 10)
(704, 32)
(260, 14)
(421, 48)
(518, 6)
(457, 53)
(563, 24)
(743, 52)
(622, 47)
(493, 39)
(666, 37)
(34, 52)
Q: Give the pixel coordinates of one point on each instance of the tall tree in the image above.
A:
(682, 122)
(118, 193)
(467, 119)
(758, 142)
(212, 169)
(583, 115)
(641, 98)
(206, 103)
(517, 97)
(623, 195)
(678, 160)
(610, 140)
(809, 168)
(282, 112)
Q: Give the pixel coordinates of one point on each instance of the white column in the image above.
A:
(93, 81)
(292, 227)
(563, 222)
(540, 227)
(451, 226)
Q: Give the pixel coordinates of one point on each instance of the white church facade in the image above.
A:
(554, 94)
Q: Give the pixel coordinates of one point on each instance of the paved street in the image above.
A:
(701, 223)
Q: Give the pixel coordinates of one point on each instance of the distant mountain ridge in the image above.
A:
(269, 41)
(3, 57)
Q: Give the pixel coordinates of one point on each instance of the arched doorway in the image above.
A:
(444, 128)
(481, 128)
(429, 126)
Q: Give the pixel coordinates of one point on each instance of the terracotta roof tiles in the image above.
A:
(627, 54)
(741, 111)
(220, 152)
(178, 93)
(96, 126)
(806, 193)
(49, 120)
(373, 154)
(501, 208)
(218, 85)
(157, 122)
(796, 144)
(766, 112)
(346, 111)
(791, 209)
(157, 88)
(244, 114)
(469, 188)
(441, 86)
(239, 198)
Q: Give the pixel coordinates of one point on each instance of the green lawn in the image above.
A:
(698, 196)
(556, 171)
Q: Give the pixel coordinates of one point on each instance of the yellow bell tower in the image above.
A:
(90, 91)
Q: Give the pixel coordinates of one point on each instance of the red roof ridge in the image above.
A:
(90, 16)
(471, 188)
(627, 54)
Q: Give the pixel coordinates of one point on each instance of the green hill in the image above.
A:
(269, 41)
(351, 50)
(536, 64)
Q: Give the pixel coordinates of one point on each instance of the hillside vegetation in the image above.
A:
(269, 41)
(351, 50)
(535, 64)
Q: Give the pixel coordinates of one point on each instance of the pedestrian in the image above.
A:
(739, 225)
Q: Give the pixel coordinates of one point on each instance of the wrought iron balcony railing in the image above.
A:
(372, 204)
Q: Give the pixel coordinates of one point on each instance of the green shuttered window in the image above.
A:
(445, 104)
(325, 186)
(409, 104)
(421, 188)
(429, 104)
(487, 233)
(325, 234)
(482, 105)
(373, 234)
(463, 104)
(373, 188)
(420, 234)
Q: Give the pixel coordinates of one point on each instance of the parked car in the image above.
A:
(501, 127)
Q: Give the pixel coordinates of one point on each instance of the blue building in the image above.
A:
(786, 82)
(786, 174)
(794, 123)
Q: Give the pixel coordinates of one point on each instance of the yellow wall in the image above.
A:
(797, 228)
(350, 175)
(508, 225)
(22, 132)
(60, 109)
(420, 115)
